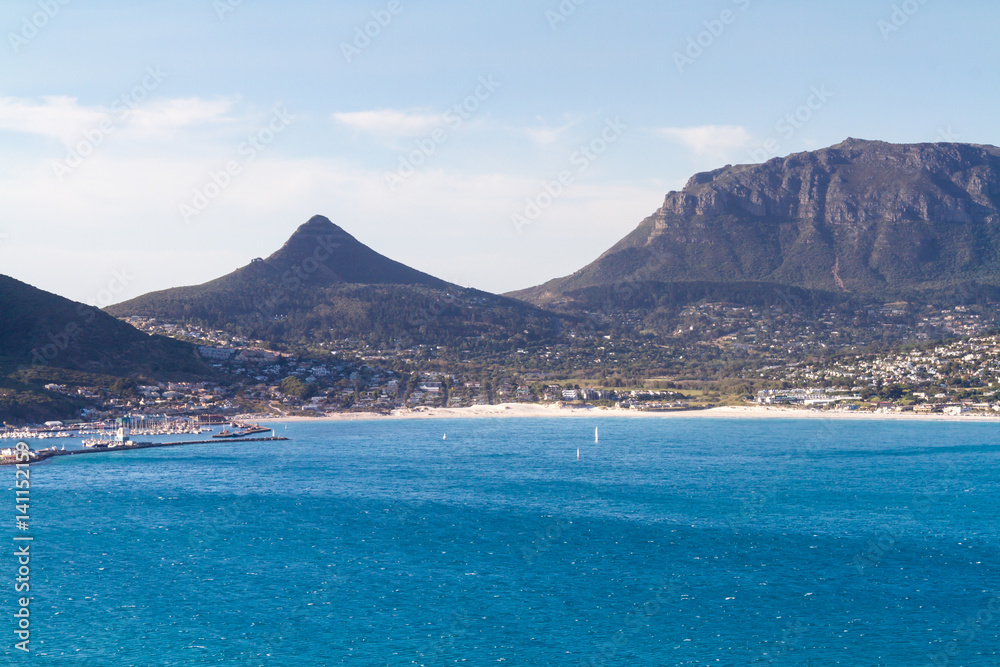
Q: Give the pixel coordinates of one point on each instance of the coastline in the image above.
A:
(534, 410)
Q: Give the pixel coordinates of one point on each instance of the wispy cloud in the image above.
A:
(58, 117)
(717, 141)
(65, 119)
(390, 123)
(545, 135)
(164, 116)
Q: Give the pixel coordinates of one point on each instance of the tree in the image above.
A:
(124, 387)
(893, 392)
(292, 386)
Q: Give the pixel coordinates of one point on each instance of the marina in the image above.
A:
(138, 424)
(118, 437)
(9, 457)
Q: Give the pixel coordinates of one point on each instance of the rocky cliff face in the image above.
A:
(863, 217)
(854, 182)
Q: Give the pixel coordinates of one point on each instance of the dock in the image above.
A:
(36, 456)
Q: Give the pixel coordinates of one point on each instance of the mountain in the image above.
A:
(861, 220)
(324, 255)
(45, 338)
(323, 284)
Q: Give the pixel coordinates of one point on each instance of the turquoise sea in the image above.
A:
(670, 542)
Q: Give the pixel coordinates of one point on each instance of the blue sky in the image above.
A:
(153, 144)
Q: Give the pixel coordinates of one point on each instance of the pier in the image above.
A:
(36, 456)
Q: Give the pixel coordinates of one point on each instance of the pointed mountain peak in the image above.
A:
(317, 224)
(317, 236)
(327, 254)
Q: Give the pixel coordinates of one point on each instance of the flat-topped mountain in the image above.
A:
(323, 284)
(864, 219)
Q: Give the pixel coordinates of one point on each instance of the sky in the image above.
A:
(151, 144)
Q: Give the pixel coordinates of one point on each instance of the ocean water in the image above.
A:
(670, 542)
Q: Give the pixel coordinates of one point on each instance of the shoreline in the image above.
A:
(534, 410)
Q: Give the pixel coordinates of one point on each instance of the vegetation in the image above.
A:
(290, 299)
(47, 339)
(735, 285)
(293, 386)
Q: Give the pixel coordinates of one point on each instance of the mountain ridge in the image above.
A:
(324, 254)
(47, 330)
(323, 284)
(862, 218)
(45, 338)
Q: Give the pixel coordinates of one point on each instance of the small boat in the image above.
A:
(595, 434)
(577, 453)
(444, 437)
(226, 433)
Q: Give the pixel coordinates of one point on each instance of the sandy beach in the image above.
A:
(529, 410)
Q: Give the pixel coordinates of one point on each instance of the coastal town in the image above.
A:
(957, 378)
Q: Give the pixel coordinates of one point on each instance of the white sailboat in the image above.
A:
(444, 437)
(577, 453)
(595, 434)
